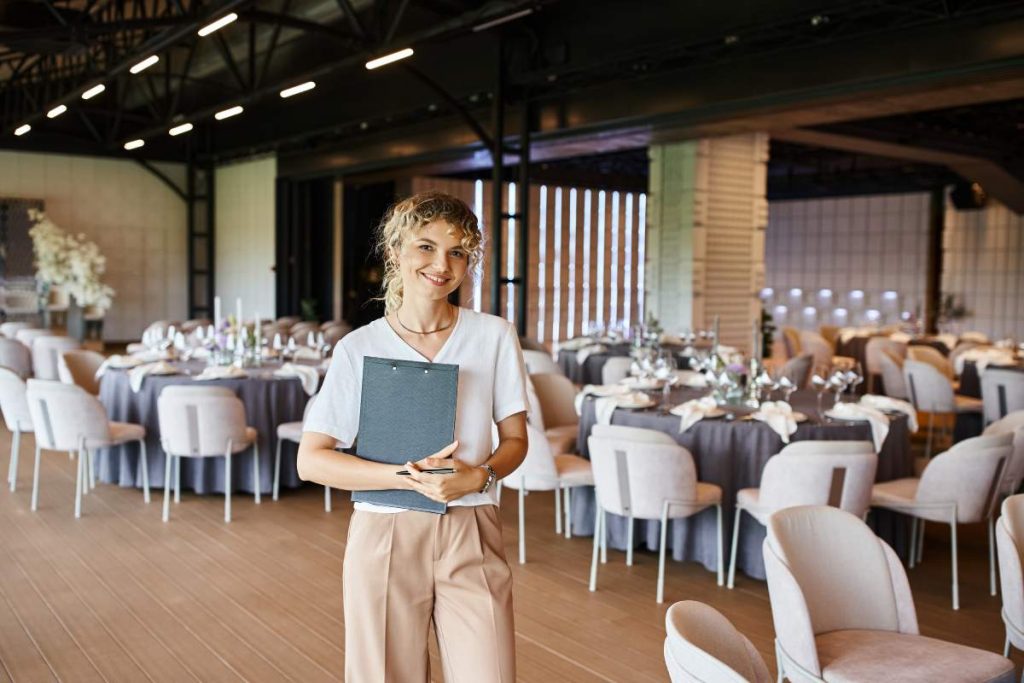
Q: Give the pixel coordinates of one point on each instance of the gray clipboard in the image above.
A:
(406, 412)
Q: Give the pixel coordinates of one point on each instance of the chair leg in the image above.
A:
(920, 540)
(597, 547)
(721, 549)
(928, 441)
(327, 499)
(568, 512)
(277, 469)
(992, 557)
(604, 537)
(12, 467)
(35, 482)
(661, 554)
(522, 523)
(913, 542)
(144, 464)
(735, 542)
(227, 485)
(558, 510)
(177, 479)
(778, 662)
(79, 483)
(1006, 647)
(90, 469)
(168, 458)
(956, 582)
(71, 456)
(257, 484)
(629, 542)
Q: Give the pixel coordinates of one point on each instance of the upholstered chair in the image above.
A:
(838, 473)
(702, 645)
(300, 331)
(557, 396)
(543, 470)
(334, 333)
(287, 320)
(1010, 543)
(539, 362)
(1002, 392)
(798, 370)
(205, 422)
(874, 352)
(27, 334)
(934, 358)
(46, 354)
(70, 419)
(644, 474)
(791, 342)
(843, 609)
(15, 356)
(959, 486)
(931, 392)
(1013, 475)
(292, 431)
(615, 369)
(10, 329)
(894, 383)
(80, 367)
(14, 404)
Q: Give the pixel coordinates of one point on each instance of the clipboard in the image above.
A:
(406, 412)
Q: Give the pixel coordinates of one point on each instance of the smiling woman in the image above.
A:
(403, 568)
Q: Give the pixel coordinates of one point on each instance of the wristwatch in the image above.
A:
(492, 477)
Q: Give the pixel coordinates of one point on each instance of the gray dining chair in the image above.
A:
(16, 356)
(46, 354)
(1002, 392)
(292, 431)
(702, 645)
(1010, 544)
(931, 392)
(14, 405)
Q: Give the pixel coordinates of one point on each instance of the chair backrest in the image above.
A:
(975, 336)
(798, 370)
(27, 334)
(702, 645)
(534, 414)
(46, 353)
(190, 326)
(199, 421)
(9, 329)
(875, 350)
(827, 571)
(615, 369)
(961, 349)
(635, 478)
(1010, 544)
(814, 344)
(1002, 392)
(829, 333)
(929, 389)
(892, 375)
(287, 320)
(539, 362)
(79, 367)
(791, 341)
(334, 333)
(557, 398)
(1014, 472)
(841, 477)
(300, 331)
(16, 356)
(933, 357)
(637, 434)
(13, 402)
(64, 414)
(537, 471)
(820, 447)
(969, 474)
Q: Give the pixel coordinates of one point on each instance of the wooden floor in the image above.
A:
(120, 596)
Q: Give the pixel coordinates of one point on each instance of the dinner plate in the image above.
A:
(634, 406)
(710, 415)
(846, 418)
(797, 416)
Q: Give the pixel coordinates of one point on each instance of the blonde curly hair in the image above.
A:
(412, 214)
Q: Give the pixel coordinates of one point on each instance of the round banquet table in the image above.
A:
(732, 454)
(269, 401)
(589, 371)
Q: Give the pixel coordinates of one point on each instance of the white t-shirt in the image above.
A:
(492, 386)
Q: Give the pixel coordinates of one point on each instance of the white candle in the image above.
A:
(238, 311)
(216, 312)
(257, 332)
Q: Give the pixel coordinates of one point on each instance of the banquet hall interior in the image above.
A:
(766, 265)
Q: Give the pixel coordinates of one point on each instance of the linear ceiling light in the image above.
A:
(178, 130)
(93, 91)
(228, 113)
(134, 144)
(503, 20)
(219, 24)
(22, 129)
(145, 64)
(56, 111)
(388, 59)
(296, 89)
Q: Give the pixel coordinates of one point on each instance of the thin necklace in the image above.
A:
(440, 329)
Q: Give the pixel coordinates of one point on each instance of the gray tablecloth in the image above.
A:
(970, 379)
(732, 454)
(589, 372)
(268, 400)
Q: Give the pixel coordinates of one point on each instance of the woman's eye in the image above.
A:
(457, 254)
(425, 247)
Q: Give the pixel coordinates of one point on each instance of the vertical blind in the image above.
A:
(585, 259)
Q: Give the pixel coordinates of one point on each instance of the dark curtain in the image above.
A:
(305, 245)
(365, 206)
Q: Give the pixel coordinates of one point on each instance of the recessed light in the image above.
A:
(145, 64)
(388, 59)
(178, 130)
(219, 24)
(296, 89)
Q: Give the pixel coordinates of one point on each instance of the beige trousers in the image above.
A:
(402, 570)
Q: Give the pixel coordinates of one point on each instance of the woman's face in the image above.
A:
(432, 262)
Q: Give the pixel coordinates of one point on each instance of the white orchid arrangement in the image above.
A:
(73, 261)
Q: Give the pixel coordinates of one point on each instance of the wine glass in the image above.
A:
(837, 382)
(854, 377)
(819, 380)
(665, 370)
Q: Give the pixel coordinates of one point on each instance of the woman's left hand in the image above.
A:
(445, 488)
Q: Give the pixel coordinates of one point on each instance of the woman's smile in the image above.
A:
(436, 280)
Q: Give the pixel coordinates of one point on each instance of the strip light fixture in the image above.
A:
(542, 260)
(641, 255)
(388, 59)
(613, 291)
(627, 275)
(556, 273)
(134, 144)
(183, 128)
(585, 324)
(93, 91)
(56, 111)
(503, 20)
(218, 24)
(22, 129)
(228, 113)
(601, 197)
(296, 89)
(145, 64)
(570, 319)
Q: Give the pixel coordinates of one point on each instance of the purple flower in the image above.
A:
(735, 368)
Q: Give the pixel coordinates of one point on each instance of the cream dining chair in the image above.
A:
(874, 352)
(702, 645)
(16, 356)
(640, 475)
(46, 355)
(14, 404)
(80, 367)
(1010, 542)
(934, 358)
(615, 369)
(843, 610)
(838, 473)
(893, 381)
(1013, 475)
(557, 395)
(292, 431)
(10, 329)
(1002, 392)
(931, 392)
(539, 362)
(959, 486)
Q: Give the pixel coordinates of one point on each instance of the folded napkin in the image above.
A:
(306, 353)
(117, 361)
(139, 373)
(575, 344)
(976, 337)
(876, 418)
(892, 404)
(666, 338)
(586, 351)
(221, 372)
(692, 412)
(901, 337)
(983, 358)
(692, 379)
(136, 347)
(779, 416)
(604, 407)
(308, 375)
(598, 390)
